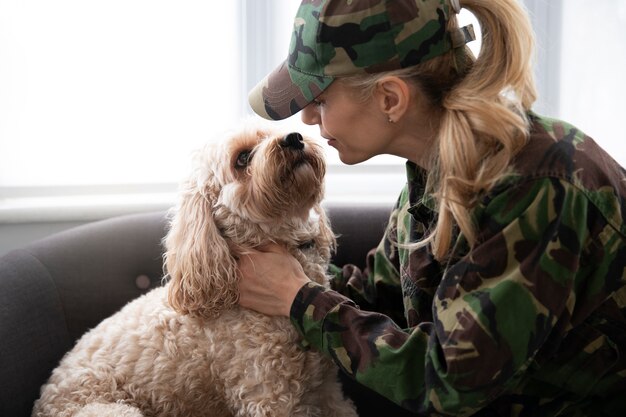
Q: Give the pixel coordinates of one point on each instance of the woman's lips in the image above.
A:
(331, 141)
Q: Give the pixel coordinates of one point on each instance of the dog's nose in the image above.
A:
(293, 140)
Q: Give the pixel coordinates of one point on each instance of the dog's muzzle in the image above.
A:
(293, 140)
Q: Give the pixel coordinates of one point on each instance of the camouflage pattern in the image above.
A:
(530, 322)
(338, 38)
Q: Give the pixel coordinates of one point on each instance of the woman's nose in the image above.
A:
(310, 114)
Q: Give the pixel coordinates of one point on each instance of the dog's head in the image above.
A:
(255, 186)
(265, 176)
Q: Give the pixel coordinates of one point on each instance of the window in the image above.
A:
(102, 98)
(112, 92)
(592, 87)
(581, 56)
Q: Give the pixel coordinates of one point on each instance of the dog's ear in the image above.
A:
(203, 273)
(325, 238)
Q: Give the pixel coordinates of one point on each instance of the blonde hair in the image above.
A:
(484, 103)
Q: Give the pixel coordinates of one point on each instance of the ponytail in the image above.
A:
(484, 122)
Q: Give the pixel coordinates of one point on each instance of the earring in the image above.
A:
(389, 119)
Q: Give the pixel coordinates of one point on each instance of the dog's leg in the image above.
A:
(335, 404)
(329, 393)
(109, 410)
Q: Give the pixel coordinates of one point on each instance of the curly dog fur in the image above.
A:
(187, 348)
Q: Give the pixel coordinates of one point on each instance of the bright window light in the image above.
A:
(593, 61)
(115, 91)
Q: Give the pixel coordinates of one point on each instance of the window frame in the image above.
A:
(545, 17)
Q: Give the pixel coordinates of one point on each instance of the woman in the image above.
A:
(499, 286)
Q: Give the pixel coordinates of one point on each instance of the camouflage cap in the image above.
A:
(338, 38)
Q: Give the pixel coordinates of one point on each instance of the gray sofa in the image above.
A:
(55, 289)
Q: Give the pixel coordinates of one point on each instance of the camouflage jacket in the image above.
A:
(530, 322)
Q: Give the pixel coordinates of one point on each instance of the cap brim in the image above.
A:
(285, 91)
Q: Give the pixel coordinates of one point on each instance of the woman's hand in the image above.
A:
(270, 280)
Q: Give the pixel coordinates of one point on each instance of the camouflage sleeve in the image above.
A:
(494, 309)
(377, 287)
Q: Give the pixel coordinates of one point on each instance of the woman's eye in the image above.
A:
(243, 159)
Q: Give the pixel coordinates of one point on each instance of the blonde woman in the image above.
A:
(499, 287)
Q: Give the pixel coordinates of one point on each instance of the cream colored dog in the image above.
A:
(187, 348)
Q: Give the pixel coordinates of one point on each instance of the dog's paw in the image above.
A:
(109, 410)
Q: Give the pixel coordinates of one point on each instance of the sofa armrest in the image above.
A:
(55, 289)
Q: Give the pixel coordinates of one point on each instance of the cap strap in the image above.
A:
(461, 36)
(455, 5)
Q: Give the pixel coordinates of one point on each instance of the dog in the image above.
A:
(187, 348)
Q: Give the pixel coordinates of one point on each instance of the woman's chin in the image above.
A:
(352, 159)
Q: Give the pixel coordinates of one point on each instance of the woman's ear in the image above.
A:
(394, 95)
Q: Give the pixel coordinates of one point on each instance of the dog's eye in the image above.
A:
(243, 159)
